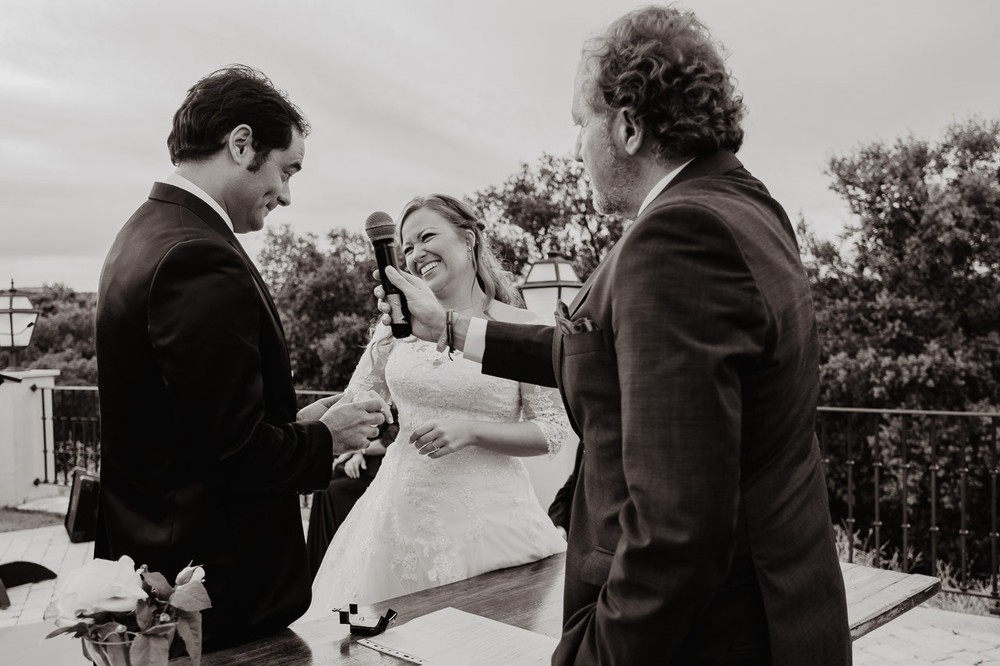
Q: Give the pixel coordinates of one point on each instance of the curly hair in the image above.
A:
(224, 99)
(495, 282)
(662, 64)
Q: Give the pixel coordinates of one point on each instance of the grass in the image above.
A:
(12, 520)
(951, 601)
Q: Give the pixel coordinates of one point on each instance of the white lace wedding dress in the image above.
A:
(426, 522)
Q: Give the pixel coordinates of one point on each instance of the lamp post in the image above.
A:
(17, 322)
(549, 281)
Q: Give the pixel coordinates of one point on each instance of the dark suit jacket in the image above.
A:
(701, 528)
(201, 459)
(562, 503)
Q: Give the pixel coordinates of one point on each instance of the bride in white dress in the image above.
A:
(452, 498)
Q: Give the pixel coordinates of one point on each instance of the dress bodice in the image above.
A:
(430, 521)
(425, 384)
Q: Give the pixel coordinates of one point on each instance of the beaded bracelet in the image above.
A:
(449, 320)
(447, 340)
(442, 343)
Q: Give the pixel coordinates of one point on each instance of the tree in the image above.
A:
(907, 306)
(324, 294)
(908, 316)
(64, 334)
(551, 202)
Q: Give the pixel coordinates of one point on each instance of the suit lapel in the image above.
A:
(581, 295)
(261, 286)
(176, 195)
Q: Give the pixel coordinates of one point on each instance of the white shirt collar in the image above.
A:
(186, 185)
(659, 187)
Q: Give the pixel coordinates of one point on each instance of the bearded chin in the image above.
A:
(608, 204)
(614, 200)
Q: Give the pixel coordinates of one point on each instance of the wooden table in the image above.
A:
(875, 596)
(528, 596)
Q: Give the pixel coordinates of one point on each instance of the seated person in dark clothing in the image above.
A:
(559, 510)
(353, 472)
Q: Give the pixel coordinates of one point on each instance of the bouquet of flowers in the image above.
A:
(129, 617)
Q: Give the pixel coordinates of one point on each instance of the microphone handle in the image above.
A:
(386, 255)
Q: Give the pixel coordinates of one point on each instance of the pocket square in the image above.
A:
(570, 326)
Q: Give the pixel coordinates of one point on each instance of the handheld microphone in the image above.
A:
(382, 232)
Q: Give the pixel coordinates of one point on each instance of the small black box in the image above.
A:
(81, 518)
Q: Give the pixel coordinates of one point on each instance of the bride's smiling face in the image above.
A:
(436, 250)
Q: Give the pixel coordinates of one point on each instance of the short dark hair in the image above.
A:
(662, 64)
(224, 99)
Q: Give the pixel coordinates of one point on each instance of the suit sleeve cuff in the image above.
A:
(322, 468)
(475, 340)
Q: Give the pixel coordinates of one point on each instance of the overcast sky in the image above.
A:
(410, 96)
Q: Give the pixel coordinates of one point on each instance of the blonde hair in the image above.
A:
(495, 282)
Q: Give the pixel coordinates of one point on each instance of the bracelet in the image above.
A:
(442, 343)
(449, 317)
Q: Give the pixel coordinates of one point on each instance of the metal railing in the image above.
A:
(71, 429)
(71, 432)
(915, 490)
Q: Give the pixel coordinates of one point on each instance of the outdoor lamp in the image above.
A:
(17, 322)
(549, 281)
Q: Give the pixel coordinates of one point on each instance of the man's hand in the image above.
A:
(427, 317)
(314, 411)
(354, 423)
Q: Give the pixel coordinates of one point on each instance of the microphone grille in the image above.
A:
(379, 226)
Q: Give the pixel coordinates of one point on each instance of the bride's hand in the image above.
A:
(436, 439)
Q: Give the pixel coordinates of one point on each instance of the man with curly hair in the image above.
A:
(700, 529)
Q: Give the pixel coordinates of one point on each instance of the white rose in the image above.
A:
(99, 585)
(187, 575)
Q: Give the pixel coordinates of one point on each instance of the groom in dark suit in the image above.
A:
(701, 532)
(203, 456)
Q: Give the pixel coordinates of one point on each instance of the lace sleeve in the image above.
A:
(543, 407)
(370, 371)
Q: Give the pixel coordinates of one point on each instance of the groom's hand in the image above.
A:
(427, 317)
(355, 423)
(317, 409)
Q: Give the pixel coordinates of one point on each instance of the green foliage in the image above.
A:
(551, 202)
(908, 317)
(324, 293)
(64, 335)
(907, 306)
(514, 246)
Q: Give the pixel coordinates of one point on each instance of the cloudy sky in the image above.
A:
(412, 96)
